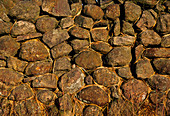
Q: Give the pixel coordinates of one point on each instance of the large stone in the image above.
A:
(79, 44)
(128, 28)
(5, 27)
(125, 72)
(33, 50)
(165, 41)
(52, 110)
(113, 11)
(92, 110)
(156, 97)
(66, 22)
(99, 34)
(157, 52)
(62, 63)
(65, 103)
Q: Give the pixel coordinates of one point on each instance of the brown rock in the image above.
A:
(2, 63)
(5, 107)
(94, 95)
(10, 77)
(165, 41)
(127, 28)
(66, 22)
(92, 111)
(16, 64)
(113, 11)
(144, 69)
(46, 23)
(88, 80)
(101, 24)
(93, 11)
(99, 34)
(150, 3)
(72, 81)
(105, 77)
(79, 32)
(5, 27)
(25, 10)
(52, 110)
(33, 50)
(3, 13)
(62, 63)
(156, 97)
(8, 46)
(162, 65)
(61, 50)
(157, 52)
(65, 103)
(79, 44)
(138, 51)
(119, 56)
(125, 72)
(135, 91)
(60, 72)
(47, 80)
(21, 92)
(38, 67)
(45, 96)
(28, 36)
(5, 90)
(76, 8)
(88, 59)
(116, 27)
(89, 1)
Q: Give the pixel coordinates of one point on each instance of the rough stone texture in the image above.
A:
(62, 63)
(93, 94)
(150, 3)
(116, 28)
(92, 111)
(125, 72)
(113, 11)
(156, 97)
(5, 27)
(45, 96)
(165, 41)
(99, 34)
(88, 80)
(162, 65)
(38, 67)
(157, 52)
(5, 107)
(8, 46)
(52, 110)
(28, 36)
(138, 51)
(127, 28)
(149, 37)
(33, 50)
(66, 22)
(76, 8)
(79, 44)
(65, 102)
(119, 56)
(135, 90)
(89, 1)
(2, 63)
(88, 59)
(144, 68)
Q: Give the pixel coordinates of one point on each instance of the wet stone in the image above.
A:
(92, 111)
(159, 82)
(99, 34)
(93, 11)
(33, 50)
(76, 8)
(45, 96)
(162, 65)
(62, 63)
(61, 50)
(28, 36)
(55, 37)
(156, 97)
(88, 59)
(127, 28)
(65, 103)
(5, 27)
(165, 41)
(46, 23)
(94, 95)
(105, 77)
(21, 92)
(144, 68)
(16, 64)
(157, 52)
(79, 44)
(135, 91)
(38, 67)
(113, 11)
(101, 47)
(125, 72)
(25, 10)
(8, 46)
(10, 77)
(72, 81)
(66, 22)
(47, 80)
(2, 63)
(119, 56)
(79, 32)
(149, 37)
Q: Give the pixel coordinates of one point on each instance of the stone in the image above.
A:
(105, 77)
(135, 91)
(45, 96)
(55, 37)
(6, 106)
(22, 28)
(72, 81)
(159, 82)
(92, 110)
(157, 52)
(149, 37)
(119, 56)
(2, 63)
(76, 8)
(88, 59)
(21, 92)
(94, 95)
(88, 80)
(10, 77)
(66, 22)
(150, 3)
(8, 46)
(101, 24)
(83, 21)
(56, 7)
(28, 36)
(163, 24)
(101, 47)
(79, 44)
(5, 90)
(165, 42)
(156, 97)
(125, 72)
(132, 11)
(128, 28)
(47, 80)
(93, 11)
(79, 32)
(162, 65)
(38, 68)
(52, 110)
(16, 64)
(5, 27)
(89, 1)
(3, 13)
(62, 63)
(25, 10)
(116, 27)
(65, 103)
(61, 50)
(105, 3)
(99, 34)
(113, 11)
(60, 72)
(33, 50)
(122, 40)
(146, 21)
(46, 23)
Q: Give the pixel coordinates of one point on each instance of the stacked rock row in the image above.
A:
(84, 58)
